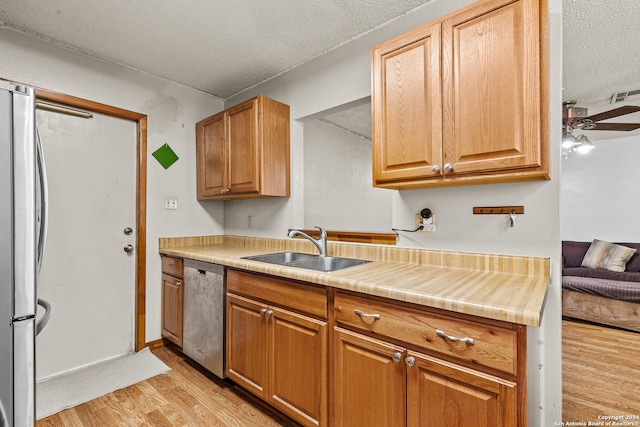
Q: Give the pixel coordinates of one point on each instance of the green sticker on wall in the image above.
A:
(165, 156)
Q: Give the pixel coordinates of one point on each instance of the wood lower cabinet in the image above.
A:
(243, 152)
(276, 353)
(247, 352)
(172, 299)
(369, 385)
(460, 100)
(443, 394)
(423, 368)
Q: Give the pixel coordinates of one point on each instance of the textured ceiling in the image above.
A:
(217, 46)
(601, 55)
(223, 47)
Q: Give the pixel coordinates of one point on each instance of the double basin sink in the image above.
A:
(308, 261)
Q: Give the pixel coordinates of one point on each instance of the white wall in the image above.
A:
(600, 192)
(338, 194)
(343, 76)
(172, 112)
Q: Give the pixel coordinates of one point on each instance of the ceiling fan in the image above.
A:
(576, 118)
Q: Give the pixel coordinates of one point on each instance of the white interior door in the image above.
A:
(87, 276)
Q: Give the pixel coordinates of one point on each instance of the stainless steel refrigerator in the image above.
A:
(23, 194)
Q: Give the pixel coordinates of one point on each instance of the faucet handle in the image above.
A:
(323, 233)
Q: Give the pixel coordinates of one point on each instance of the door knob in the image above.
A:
(128, 248)
(127, 231)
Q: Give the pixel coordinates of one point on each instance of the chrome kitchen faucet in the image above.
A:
(320, 243)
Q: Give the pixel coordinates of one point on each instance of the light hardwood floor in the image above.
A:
(185, 396)
(600, 372)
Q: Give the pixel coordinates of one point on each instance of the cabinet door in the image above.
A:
(244, 156)
(247, 355)
(406, 104)
(172, 297)
(369, 382)
(442, 394)
(298, 366)
(491, 87)
(211, 151)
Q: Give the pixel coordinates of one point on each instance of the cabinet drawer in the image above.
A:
(284, 293)
(492, 346)
(172, 266)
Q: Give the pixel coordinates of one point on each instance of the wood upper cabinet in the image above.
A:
(278, 354)
(460, 100)
(172, 299)
(243, 152)
(407, 107)
(211, 164)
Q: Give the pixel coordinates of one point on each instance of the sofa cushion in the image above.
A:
(573, 253)
(607, 255)
(634, 262)
(601, 273)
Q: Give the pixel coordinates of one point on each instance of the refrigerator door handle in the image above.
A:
(44, 319)
(44, 200)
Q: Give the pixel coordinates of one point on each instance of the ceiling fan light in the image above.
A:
(583, 144)
(568, 141)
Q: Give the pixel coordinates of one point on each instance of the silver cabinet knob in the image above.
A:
(410, 361)
(269, 313)
(127, 231)
(397, 356)
(128, 248)
(178, 283)
(224, 191)
(263, 310)
(448, 167)
(435, 168)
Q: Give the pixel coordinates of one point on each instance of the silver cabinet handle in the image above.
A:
(269, 313)
(435, 168)
(263, 310)
(224, 191)
(178, 283)
(397, 356)
(128, 248)
(452, 338)
(448, 167)
(410, 361)
(363, 314)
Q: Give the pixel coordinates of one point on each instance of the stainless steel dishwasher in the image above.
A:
(203, 339)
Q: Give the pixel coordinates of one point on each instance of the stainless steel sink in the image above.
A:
(282, 258)
(328, 263)
(308, 261)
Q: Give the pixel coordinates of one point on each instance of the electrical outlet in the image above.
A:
(428, 224)
(171, 203)
(429, 228)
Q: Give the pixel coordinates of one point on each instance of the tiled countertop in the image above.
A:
(500, 287)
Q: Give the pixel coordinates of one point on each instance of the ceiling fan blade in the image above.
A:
(627, 109)
(617, 126)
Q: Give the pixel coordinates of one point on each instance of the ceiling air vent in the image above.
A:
(624, 96)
